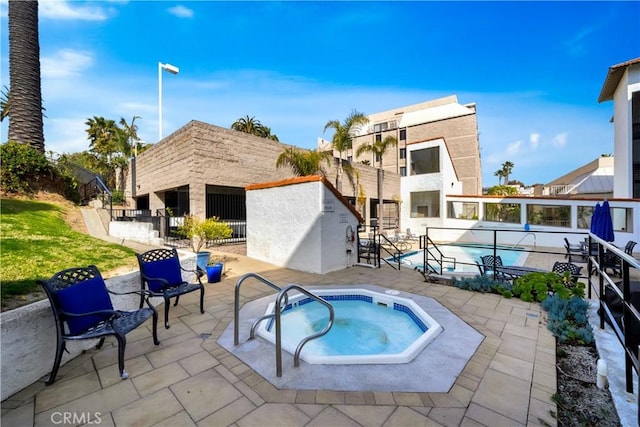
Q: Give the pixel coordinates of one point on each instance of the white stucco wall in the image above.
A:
(28, 334)
(137, 231)
(300, 226)
(428, 182)
(622, 179)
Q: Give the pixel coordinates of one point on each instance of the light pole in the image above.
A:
(173, 70)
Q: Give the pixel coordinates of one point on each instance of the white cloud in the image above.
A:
(560, 140)
(534, 140)
(65, 63)
(514, 148)
(181, 11)
(62, 9)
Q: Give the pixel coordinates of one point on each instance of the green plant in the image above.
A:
(483, 284)
(537, 286)
(199, 231)
(568, 319)
(117, 197)
(37, 242)
(22, 168)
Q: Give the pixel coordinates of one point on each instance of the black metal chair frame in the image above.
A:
(489, 264)
(573, 250)
(117, 322)
(169, 290)
(563, 267)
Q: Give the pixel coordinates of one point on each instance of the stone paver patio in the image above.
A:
(190, 380)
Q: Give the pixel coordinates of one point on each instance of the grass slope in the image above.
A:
(36, 242)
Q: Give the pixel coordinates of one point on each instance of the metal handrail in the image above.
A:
(296, 357)
(429, 256)
(236, 304)
(396, 255)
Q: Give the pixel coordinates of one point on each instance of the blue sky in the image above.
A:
(534, 69)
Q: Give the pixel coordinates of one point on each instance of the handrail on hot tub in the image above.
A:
(236, 305)
(280, 304)
(296, 356)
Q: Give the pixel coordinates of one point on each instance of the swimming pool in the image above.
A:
(369, 327)
(465, 255)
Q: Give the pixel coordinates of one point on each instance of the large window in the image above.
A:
(502, 212)
(622, 218)
(425, 161)
(380, 127)
(549, 215)
(425, 204)
(462, 210)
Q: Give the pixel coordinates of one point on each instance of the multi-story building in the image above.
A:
(438, 153)
(622, 86)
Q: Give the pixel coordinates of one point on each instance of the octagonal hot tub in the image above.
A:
(369, 327)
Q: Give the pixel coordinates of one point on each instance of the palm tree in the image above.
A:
(131, 137)
(500, 174)
(25, 118)
(378, 149)
(106, 142)
(266, 133)
(249, 125)
(4, 104)
(303, 162)
(507, 167)
(342, 137)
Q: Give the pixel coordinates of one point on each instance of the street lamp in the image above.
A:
(173, 70)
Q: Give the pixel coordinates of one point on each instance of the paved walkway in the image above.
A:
(191, 380)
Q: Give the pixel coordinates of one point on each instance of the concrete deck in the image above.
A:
(192, 380)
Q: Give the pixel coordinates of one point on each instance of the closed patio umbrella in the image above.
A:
(594, 218)
(604, 223)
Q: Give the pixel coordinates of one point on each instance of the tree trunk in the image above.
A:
(25, 94)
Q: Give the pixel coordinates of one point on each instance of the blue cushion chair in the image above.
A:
(161, 276)
(82, 310)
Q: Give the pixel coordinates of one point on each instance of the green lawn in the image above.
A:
(35, 243)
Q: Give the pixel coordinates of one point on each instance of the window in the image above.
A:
(403, 134)
(549, 215)
(463, 210)
(403, 171)
(425, 204)
(502, 212)
(403, 153)
(378, 137)
(622, 218)
(380, 127)
(349, 158)
(425, 161)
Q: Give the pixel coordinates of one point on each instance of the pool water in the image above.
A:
(369, 327)
(465, 257)
(359, 328)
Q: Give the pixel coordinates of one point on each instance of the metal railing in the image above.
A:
(282, 301)
(625, 293)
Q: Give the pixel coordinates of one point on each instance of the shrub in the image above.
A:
(568, 319)
(22, 168)
(483, 284)
(537, 286)
(198, 231)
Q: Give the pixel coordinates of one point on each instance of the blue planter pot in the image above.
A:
(214, 272)
(202, 259)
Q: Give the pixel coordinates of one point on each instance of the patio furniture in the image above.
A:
(411, 236)
(562, 267)
(82, 310)
(490, 266)
(510, 272)
(573, 250)
(161, 275)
